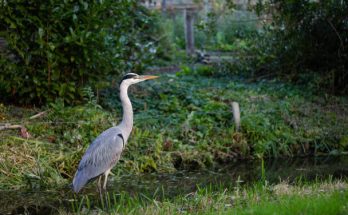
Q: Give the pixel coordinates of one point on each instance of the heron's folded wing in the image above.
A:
(102, 154)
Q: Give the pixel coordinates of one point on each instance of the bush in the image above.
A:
(307, 39)
(56, 48)
(220, 30)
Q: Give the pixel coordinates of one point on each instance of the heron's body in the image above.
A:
(105, 151)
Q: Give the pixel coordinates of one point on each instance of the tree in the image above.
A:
(309, 37)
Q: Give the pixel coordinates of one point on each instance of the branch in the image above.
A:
(23, 130)
(38, 115)
(9, 126)
(338, 35)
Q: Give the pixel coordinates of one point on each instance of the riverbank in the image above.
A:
(320, 198)
(182, 121)
(301, 197)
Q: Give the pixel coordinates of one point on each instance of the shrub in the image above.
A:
(220, 30)
(307, 39)
(56, 48)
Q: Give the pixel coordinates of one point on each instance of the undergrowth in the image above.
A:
(283, 198)
(181, 122)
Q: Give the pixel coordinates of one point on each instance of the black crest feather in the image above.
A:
(127, 76)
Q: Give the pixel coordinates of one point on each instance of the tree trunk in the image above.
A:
(189, 37)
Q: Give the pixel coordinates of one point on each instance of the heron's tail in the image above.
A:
(79, 181)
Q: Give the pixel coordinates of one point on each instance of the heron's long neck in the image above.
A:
(127, 121)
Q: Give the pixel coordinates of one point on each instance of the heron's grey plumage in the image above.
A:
(101, 156)
(104, 152)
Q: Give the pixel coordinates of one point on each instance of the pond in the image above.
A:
(169, 185)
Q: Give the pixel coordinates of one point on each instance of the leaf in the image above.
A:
(52, 46)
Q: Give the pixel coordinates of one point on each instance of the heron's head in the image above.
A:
(132, 78)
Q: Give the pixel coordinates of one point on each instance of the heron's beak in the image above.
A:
(147, 77)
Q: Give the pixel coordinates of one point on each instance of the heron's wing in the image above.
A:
(100, 156)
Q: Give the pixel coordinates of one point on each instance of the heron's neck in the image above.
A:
(127, 121)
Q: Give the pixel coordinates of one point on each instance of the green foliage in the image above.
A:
(318, 198)
(307, 42)
(163, 30)
(56, 48)
(168, 35)
(180, 122)
(194, 112)
(221, 30)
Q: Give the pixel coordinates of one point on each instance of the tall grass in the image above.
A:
(182, 121)
(318, 198)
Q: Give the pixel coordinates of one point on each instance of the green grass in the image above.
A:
(318, 198)
(334, 203)
(182, 121)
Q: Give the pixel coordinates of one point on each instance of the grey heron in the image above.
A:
(105, 151)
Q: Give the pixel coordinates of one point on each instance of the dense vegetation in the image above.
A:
(302, 41)
(306, 43)
(181, 122)
(57, 48)
(320, 198)
(65, 57)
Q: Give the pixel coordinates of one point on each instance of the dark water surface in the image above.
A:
(169, 185)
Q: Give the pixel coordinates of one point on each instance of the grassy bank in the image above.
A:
(182, 121)
(283, 198)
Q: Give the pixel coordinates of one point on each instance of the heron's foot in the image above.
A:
(101, 189)
(104, 187)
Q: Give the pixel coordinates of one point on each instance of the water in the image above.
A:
(170, 185)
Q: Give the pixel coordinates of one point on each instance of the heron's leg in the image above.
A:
(99, 187)
(99, 183)
(107, 172)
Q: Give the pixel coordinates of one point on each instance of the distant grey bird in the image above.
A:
(104, 152)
